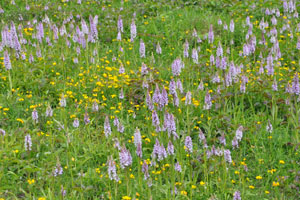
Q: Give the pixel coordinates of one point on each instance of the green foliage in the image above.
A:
(266, 164)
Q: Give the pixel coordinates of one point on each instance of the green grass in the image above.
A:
(265, 166)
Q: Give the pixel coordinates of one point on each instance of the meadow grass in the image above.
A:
(92, 109)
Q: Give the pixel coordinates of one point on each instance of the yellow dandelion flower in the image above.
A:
(281, 162)
(30, 181)
(20, 120)
(275, 184)
(183, 192)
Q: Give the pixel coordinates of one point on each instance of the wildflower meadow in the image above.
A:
(150, 99)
